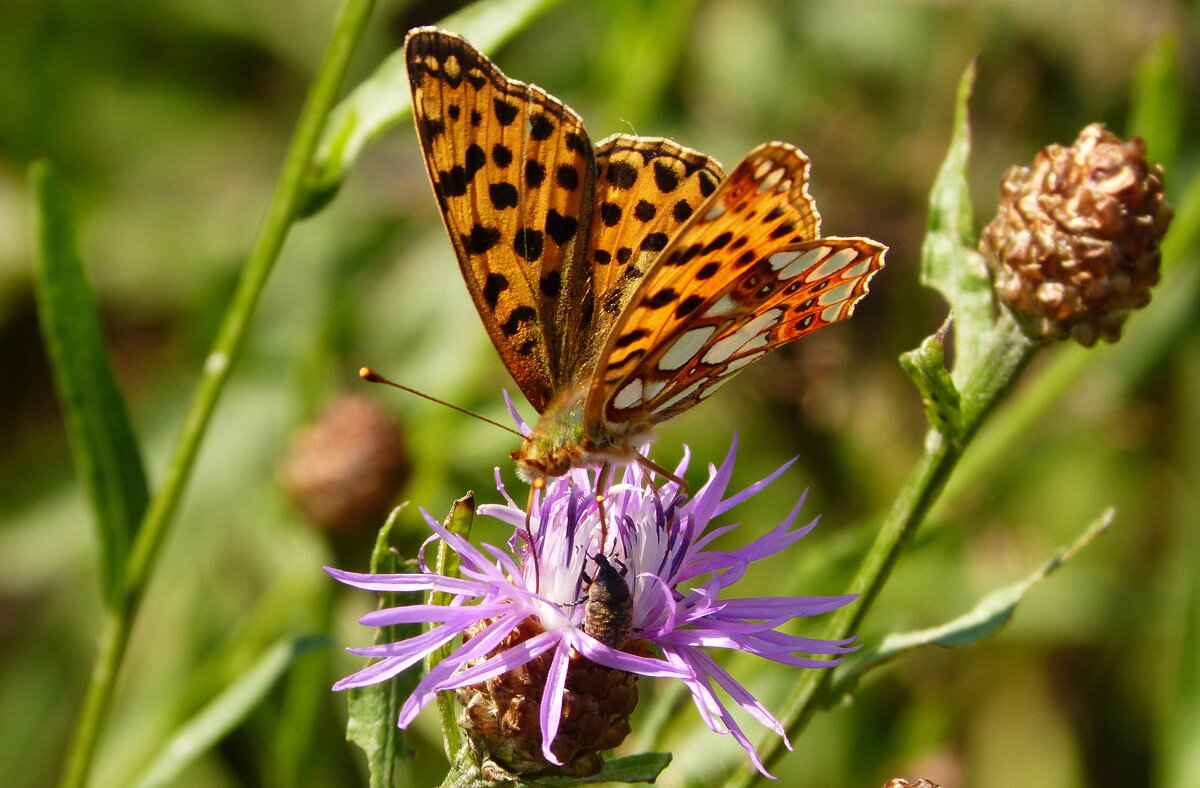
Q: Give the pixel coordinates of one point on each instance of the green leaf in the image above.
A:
(990, 614)
(458, 522)
(224, 712)
(383, 100)
(949, 262)
(374, 710)
(643, 768)
(927, 368)
(1157, 105)
(102, 441)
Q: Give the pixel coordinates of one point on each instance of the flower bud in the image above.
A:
(345, 469)
(1075, 243)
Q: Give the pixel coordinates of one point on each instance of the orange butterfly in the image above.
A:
(622, 283)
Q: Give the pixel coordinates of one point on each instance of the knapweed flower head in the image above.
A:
(1075, 243)
(557, 630)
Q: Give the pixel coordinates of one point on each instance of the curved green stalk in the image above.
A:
(281, 213)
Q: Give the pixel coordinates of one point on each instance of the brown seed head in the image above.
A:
(501, 715)
(345, 469)
(1075, 243)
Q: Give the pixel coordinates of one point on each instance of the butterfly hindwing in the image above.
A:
(745, 275)
(513, 172)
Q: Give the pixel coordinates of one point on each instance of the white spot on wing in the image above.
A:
(802, 263)
(629, 396)
(680, 397)
(834, 313)
(780, 259)
(708, 392)
(764, 166)
(836, 262)
(858, 270)
(738, 363)
(771, 181)
(684, 348)
(715, 211)
(723, 306)
(837, 293)
(722, 350)
(652, 389)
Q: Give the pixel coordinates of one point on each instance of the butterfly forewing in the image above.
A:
(646, 188)
(745, 275)
(513, 172)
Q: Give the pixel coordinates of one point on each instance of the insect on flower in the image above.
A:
(621, 283)
(547, 673)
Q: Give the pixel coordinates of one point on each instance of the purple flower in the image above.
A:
(523, 613)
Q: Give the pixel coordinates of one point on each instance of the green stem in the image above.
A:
(465, 774)
(281, 213)
(1008, 355)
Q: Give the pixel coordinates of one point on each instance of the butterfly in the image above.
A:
(621, 283)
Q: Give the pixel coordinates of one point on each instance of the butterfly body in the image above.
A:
(561, 441)
(623, 283)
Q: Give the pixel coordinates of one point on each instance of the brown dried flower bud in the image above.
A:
(501, 715)
(1075, 243)
(345, 469)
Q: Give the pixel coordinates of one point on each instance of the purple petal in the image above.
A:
(621, 660)
(522, 425)
(403, 582)
(428, 687)
(745, 494)
(552, 698)
(424, 614)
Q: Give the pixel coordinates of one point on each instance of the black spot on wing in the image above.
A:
(551, 284)
(654, 242)
(480, 239)
(540, 127)
(535, 173)
(610, 213)
(688, 305)
(502, 195)
(567, 177)
(521, 314)
(625, 340)
(528, 243)
(621, 175)
(660, 299)
(505, 113)
(493, 287)
(560, 228)
(665, 178)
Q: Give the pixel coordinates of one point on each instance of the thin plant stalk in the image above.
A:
(281, 214)
(921, 490)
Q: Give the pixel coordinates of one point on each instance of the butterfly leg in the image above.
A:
(602, 480)
(534, 488)
(653, 467)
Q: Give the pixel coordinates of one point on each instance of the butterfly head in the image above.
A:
(534, 464)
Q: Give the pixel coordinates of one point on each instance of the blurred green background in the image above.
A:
(168, 122)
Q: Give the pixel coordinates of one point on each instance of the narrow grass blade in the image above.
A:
(223, 714)
(103, 444)
(382, 100)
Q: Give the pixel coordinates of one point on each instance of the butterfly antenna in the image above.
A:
(370, 375)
